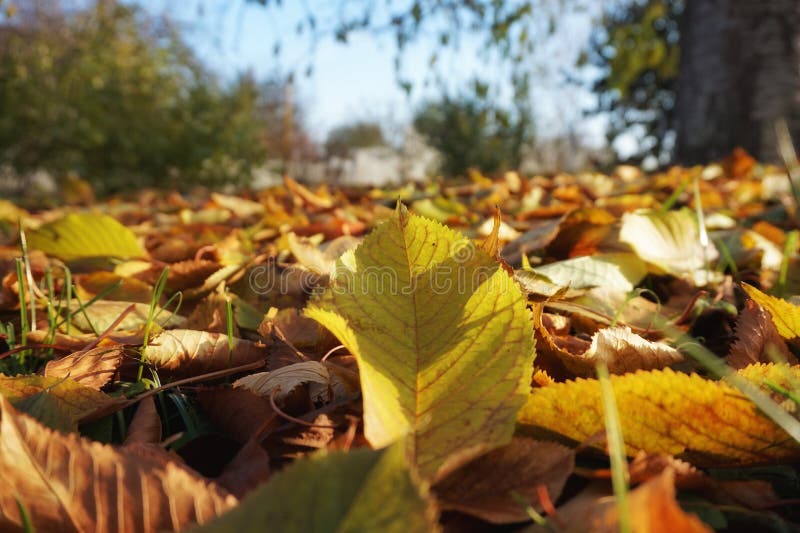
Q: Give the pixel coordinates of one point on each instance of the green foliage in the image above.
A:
(470, 131)
(343, 139)
(118, 98)
(637, 52)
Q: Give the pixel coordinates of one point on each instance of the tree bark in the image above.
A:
(739, 73)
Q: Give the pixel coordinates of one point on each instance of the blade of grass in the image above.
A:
(158, 290)
(789, 248)
(789, 156)
(616, 449)
(23, 302)
(674, 197)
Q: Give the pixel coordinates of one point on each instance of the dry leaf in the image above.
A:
(237, 412)
(285, 379)
(67, 483)
(785, 316)
(758, 340)
(248, 469)
(77, 401)
(191, 352)
(145, 428)
(93, 368)
(484, 487)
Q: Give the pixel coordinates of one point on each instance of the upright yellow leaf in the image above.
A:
(442, 338)
(785, 316)
(662, 411)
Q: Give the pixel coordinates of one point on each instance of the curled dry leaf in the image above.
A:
(484, 487)
(191, 352)
(145, 428)
(287, 378)
(67, 483)
(93, 368)
(757, 339)
(183, 274)
(618, 347)
(662, 411)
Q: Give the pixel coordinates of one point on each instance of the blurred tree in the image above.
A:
(119, 98)
(636, 51)
(739, 73)
(471, 132)
(737, 65)
(343, 139)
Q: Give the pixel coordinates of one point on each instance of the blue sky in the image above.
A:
(356, 81)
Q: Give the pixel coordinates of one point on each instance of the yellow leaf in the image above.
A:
(441, 335)
(75, 400)
(85, 235)
(785, 316)
(663, 411)
(190, 352)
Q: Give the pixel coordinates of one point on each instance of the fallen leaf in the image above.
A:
(247, 470)
(396, 304)
(668, 241)
(83, 236)
(93, 368)
(237, 412)
(620, 271)
(653, 509)
(483, 487)
(99, 316)
(757, 339)
(145, 427)
(191, 352)
(67, 483)
(284, 380)
(785, 316)
(662, 411)
(75, 400)
(363, 490)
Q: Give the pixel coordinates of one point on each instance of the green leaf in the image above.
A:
(363, 490)
(442, 338)
(85, 235)
(617, 271)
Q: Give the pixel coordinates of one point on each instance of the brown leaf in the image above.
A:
(758, 341)
(237, 412)
(483, 487)
(67, 483)
(92, 369)
(652, 505)
(192, 352)
(211, 315)
(621, 349)
(183, 274)
(146, 424)
(248, 469)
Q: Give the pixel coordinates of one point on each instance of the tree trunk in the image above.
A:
(739, 73)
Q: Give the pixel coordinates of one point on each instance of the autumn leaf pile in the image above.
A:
(413, 359)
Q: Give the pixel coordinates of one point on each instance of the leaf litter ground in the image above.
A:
(411, 359)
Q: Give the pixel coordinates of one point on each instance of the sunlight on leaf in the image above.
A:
(662, 411)
(85, 235)
(442, 338)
